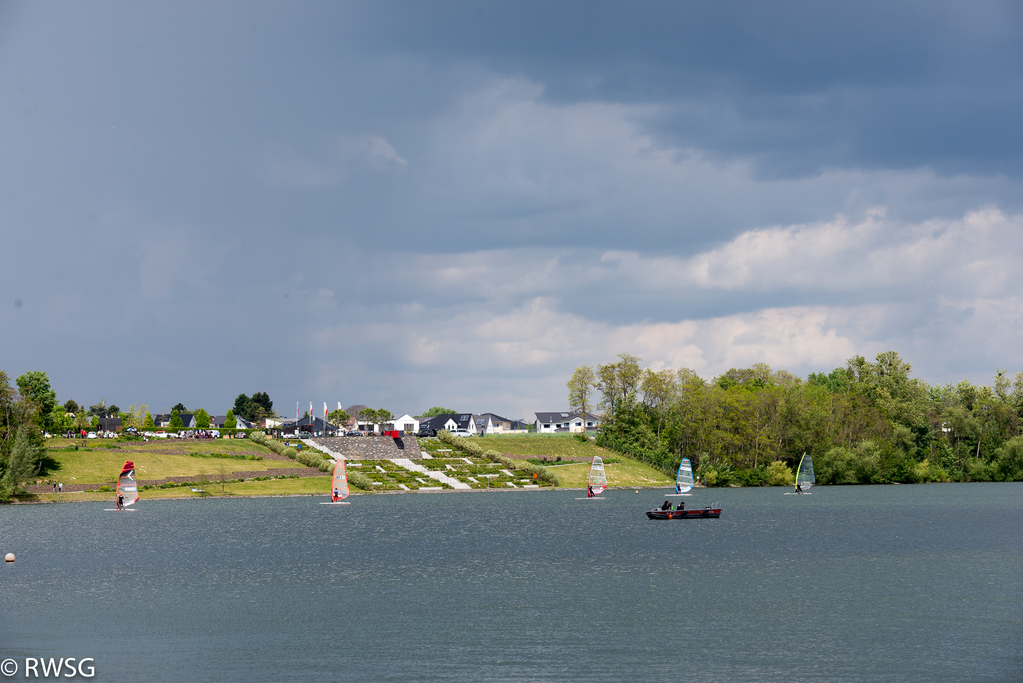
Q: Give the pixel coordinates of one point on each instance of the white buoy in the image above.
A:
(9, 557)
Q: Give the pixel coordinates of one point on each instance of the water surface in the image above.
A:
(892, 583)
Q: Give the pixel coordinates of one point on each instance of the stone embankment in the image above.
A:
(371, 447)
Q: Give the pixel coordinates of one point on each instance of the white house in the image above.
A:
(549, 423)
(405, 423)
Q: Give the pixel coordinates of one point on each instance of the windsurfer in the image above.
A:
(799, 488)
(589, 492)
(120, 502)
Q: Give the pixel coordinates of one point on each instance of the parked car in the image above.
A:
(92, 435)
(462, 433)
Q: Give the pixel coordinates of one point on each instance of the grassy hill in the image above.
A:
(97, 462)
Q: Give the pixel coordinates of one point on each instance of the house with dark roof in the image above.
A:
(549, 423)
(450, 422)
(495, 424)
(163, 420)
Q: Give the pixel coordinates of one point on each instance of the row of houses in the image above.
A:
(114, 424)
(481, 423)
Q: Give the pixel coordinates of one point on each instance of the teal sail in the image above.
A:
(804, 474)
(684, 478)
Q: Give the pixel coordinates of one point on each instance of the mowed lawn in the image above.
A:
(537, 445)
(153, 459)
(626, 473)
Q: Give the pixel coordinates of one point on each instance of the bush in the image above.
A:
(360, 480)
(1009, 460)
(780, 474)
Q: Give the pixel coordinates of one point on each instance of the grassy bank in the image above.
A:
(99, 460)
(624, 472)
(538, 445)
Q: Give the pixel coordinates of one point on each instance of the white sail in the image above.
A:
(597, 481)
(684, 478)
(804, 474)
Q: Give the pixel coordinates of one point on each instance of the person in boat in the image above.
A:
(666, 506)
(681, 505)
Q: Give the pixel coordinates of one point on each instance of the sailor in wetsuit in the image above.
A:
(120, 502)
(589, 492)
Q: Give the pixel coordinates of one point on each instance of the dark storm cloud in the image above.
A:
(801, 85)
(339, 199)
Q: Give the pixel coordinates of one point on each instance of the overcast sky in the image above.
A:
(409, 204)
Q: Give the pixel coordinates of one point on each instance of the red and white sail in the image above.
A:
(126, 485)
(339, 482)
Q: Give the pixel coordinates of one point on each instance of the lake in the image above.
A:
(880, 583)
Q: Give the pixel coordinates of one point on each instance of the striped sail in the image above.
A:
(597, 481)
(339, 483)
(126, 485)
(804, 474)
(684, 478)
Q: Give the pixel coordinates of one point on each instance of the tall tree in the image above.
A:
(229, 420)
(175, 421)
(202, 419)
(262, 399)
(580, 388)
(36, 386)
(72, 407)
(25, 459)
(180, 407)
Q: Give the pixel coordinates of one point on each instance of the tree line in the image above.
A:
(867, 422)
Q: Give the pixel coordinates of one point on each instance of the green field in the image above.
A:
(624, 473)
(97, 462)
(537, 445)
(100, 460)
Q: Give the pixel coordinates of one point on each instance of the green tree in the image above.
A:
(135, 417)
(25, 459)
(147, 423)
(180, 408)
(262, 399)
(72, 407)
(58, 420)
(338, 418)
(245, 408)
(580, 388)
(202, 419)
(94, 422)
(437, 410)
(175, 421)
(229, 420)
(36, 386)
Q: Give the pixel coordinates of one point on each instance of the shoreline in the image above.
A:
(358, 493)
